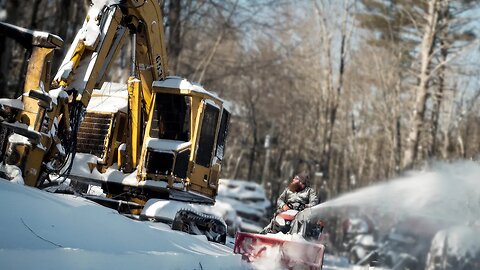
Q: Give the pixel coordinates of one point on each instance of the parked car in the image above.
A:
(249, 200)
(455, 248)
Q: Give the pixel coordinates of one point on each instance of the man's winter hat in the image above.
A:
(304, 177)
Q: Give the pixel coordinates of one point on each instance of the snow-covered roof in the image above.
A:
(174, 82)
(199, 88)
(112, 97)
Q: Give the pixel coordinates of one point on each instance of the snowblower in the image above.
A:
(298, 247)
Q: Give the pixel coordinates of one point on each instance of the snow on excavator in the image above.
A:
(162, 137)
(294, 242)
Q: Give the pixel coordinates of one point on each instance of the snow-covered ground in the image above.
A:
(41, 230)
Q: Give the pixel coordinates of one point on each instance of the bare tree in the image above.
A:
(174, 45)
(333, 88)
(425, 57)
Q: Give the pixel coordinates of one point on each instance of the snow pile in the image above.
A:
(84, 166)
(40, 230)
(165, 211)
(13, 173)
(226, 212)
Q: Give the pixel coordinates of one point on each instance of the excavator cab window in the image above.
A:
(207, 135)
(171, 117)
(222, 134)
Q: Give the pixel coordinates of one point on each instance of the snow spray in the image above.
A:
(271, 260)
(446, 191)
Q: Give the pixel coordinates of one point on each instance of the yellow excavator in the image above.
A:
(157, 136)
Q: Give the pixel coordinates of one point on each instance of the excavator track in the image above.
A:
(196, 223)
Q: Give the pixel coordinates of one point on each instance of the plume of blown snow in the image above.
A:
(446, 190)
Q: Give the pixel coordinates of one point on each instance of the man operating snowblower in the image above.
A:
(293, 234)
(297, 196)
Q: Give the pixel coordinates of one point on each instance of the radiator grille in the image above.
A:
(93, 133)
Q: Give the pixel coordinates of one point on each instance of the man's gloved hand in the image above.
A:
(285, 207)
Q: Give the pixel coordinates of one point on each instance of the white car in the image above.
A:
(249, 200)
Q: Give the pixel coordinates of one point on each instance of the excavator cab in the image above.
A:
(181, 150)
(184, 140)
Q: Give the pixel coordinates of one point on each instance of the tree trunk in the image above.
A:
(12, 9)
(237, 164)
(252, 101)
(444, 46)
(334, 100)
(174, 46)
(33, 26)
(417, 120)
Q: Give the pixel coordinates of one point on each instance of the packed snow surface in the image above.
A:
(41, 230)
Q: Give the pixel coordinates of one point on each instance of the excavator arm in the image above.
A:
(97, 44)
(100, 39)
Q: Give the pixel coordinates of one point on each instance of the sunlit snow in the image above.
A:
(40, 230)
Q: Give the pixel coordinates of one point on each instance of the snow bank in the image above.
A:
(40, 230)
